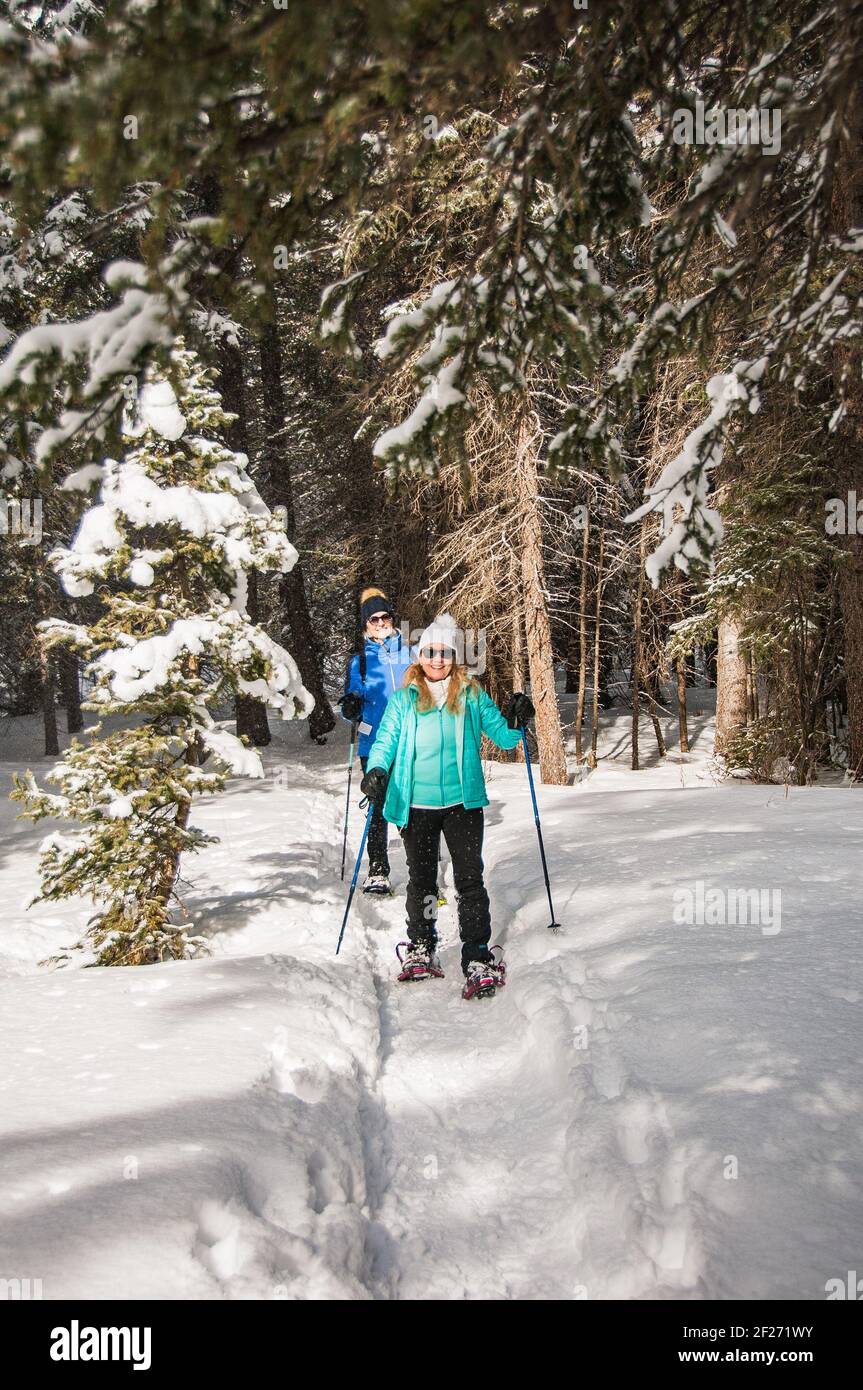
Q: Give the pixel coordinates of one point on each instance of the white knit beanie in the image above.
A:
(442, 631)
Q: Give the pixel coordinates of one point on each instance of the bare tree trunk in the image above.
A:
(292, 590)
(571, 668)
(582, 645)
(27, 697)
(752, 688)
(654, 719)
(606, 671)
(499, 685)
(636, 711)
(644, 681)
(847, 212)
(518, 652)
(710, 661)
(680, 667)
(731, 693)
(70, 690)
(49, 708)
(571, 662)
(537, 631)
(597, 629)
(635, 665)
(552, 757)
(306, 651)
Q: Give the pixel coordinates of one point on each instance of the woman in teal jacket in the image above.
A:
(429, 744)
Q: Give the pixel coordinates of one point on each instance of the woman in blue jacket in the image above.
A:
(373, 674)
(425, 771)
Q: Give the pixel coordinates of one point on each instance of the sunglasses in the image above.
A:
(382, 618)
(437, 653)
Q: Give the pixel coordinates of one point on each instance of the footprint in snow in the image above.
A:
(291, 1073)
(218, 1242)
(634, 1127)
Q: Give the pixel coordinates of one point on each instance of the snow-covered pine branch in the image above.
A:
(108, 348)
(168, 542)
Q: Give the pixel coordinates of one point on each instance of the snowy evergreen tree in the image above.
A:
(176, 526)
(607, 105)
(605, 196)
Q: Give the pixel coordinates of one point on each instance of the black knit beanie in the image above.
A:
(374, 601)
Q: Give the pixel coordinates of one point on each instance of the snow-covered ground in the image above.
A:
(651, 1108)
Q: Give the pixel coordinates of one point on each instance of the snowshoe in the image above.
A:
(419, 962)
(376, 881)
(485, 976)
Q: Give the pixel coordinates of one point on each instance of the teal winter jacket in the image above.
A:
(437, 779)
(395, 748)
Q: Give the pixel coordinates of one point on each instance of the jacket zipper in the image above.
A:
(385, 658)
(410, 793)
(440, 731)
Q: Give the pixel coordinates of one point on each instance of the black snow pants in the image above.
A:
(377, 838)
(462, 831)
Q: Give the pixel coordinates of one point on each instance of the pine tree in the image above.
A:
(571, 166)
(773, 602)
(177, 525)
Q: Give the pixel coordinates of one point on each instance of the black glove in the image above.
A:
(519, 710)
(374, 785)
(352, 706)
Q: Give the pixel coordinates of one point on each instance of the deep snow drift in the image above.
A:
(652, 1108)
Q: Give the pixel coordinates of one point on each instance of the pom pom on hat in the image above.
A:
(442, 631)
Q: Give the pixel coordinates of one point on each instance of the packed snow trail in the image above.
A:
(496, 1186)
(647, 1109)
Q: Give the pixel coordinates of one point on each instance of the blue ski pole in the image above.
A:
(553, 925)
(348, 800)
(356, 872)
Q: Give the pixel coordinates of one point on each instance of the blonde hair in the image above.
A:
(460, 684)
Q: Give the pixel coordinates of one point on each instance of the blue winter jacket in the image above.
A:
(395, 747)
(386, 663)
